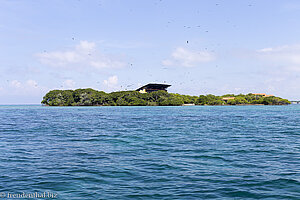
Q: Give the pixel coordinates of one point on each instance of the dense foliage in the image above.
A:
(240, 99)
(90, 97)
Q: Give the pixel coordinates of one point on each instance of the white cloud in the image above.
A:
(31, 84)
(86, 46)
(111, 82)
(287, 56)
(188, 58)
(167, 62)
(15, 84)
(69, 84)
(83, 55)
(28, 87)
(282, 67)
(265, 50)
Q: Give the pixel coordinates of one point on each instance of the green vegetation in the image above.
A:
(90, 97)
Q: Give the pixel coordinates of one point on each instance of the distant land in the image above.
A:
(91, 97)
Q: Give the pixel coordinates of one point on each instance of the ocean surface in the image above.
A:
(188, 152)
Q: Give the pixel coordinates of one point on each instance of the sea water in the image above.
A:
(196, 152)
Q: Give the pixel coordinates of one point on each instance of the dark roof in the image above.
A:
(154, 86)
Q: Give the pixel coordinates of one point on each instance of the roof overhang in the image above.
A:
(154, 86)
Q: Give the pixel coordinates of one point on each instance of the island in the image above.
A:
(91, 97)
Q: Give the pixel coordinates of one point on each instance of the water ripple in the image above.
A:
(211, 152)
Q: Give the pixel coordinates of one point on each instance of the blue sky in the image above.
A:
(199, 47)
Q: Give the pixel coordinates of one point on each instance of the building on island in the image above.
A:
(227, 98)
(152, 87)
(256, 94)
(295, 102)
(263, 94)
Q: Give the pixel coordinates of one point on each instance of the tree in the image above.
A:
(202, 100)
(90, 97)
(171, 101)
(59, 98)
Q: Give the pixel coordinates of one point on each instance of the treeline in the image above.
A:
(241, 99)
(91, 97)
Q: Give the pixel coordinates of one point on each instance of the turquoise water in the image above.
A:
(226, 152)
